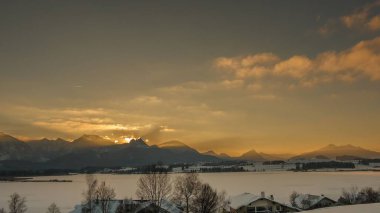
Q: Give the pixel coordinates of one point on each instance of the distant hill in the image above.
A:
(275, 157)
(176, 146)
(12, 148)
(96, 151)
(333, 151)
(92, 151)
(91, 141)
(252, 155)
(223, 156)
(349, 158)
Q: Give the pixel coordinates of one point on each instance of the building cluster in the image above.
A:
(290, 165)
(129, 206)
(251, 203)
(242, 203)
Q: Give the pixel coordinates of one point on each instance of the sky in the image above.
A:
(274, 76)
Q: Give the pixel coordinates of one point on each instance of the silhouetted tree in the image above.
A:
(369, 195)
(17, 204)
(349, 196)
(207, 200)
(90, 193)
(53, 208)
(104, 195)
(186, 187)
(154, 186)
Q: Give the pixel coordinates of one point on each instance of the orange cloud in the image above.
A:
(363, 18)
(248, 66)
(296, 67)
(374, 23)
(147, 100)
(360, 61)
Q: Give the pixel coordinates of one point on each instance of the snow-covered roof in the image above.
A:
(367, 208)
(242, 200)
(77, 209)
(143, 206)
(314, 199)
(166, 205)
(170, 207)
(114, 204)
(246, 198)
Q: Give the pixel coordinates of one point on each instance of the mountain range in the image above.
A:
(96, 151)
(91, 151)
(333, 152)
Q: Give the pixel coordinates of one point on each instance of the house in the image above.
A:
(374, 165)
(250, 203)
(112, 207)
(308, 201)
(130, 206)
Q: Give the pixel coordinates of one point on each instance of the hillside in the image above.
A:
(91, 151)
(333, 151)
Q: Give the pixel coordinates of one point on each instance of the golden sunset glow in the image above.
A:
(127, 139)
(248, 80)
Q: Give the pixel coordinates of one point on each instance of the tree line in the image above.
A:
(186, 191)
(17, 204)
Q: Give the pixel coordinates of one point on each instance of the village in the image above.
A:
(158, 192)
(297, 165)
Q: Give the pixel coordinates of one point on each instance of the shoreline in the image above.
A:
(30, 179)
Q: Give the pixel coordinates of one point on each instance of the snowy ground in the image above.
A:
(40, 195)
(363, 208)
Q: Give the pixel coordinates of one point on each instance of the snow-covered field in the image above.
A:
(362, 208)
(280, 184)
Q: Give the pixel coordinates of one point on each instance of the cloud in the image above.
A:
(267, 97)
(363, 18)
(254, 87)
(80, 125)
(328, 28)
(248, 66)
(360, 61)
(374, 23)
(232, 84)
(152, 133)
(147, 100)
(73, 122)
(296, 67)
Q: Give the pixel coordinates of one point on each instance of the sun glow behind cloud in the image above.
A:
(269, 89)
(128, 139)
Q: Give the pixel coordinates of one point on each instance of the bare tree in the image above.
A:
(292, 198)
(90, 193)
(207, 200)
(223, 202)
(53, 208)
(369, 195)
(17, 204)
(104, 195)
(154, 186)
(185, 189)
(349, 196)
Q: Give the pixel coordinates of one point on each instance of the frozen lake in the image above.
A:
(280, 184)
